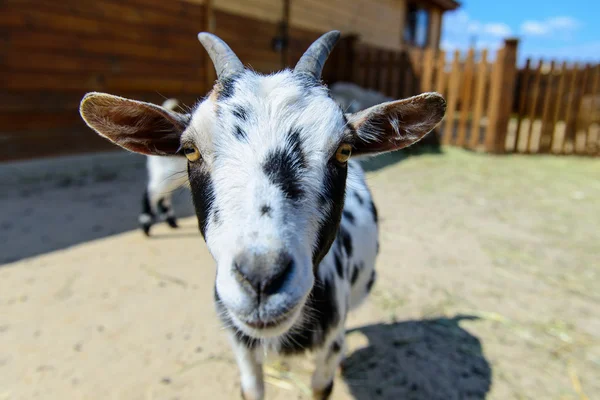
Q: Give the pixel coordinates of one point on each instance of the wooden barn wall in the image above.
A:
(53, 52)
(378, 22)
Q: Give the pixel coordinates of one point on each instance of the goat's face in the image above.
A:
(268, 190)
(267, 169)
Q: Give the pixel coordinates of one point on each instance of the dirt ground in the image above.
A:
(488, 286)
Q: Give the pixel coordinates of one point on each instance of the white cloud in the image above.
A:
(497, 29)
(460, 32)
(551, 25)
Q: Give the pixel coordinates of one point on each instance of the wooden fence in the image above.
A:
(492, 105)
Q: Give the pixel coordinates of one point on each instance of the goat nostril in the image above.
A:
(244, 276)
(272, 284)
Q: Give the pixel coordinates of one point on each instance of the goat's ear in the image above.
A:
(134, 125)
(396, 124)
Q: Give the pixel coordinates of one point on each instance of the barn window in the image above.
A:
(417, 25)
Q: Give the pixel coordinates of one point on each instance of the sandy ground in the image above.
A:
(488, 286)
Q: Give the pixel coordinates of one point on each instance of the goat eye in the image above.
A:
(343, 153)
(191, 153)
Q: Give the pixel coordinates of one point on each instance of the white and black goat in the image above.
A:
(165, 175)
(285, 212)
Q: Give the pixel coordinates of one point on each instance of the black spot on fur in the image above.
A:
(346, 241)
(161, 206)
(146, 208)
(358, 198)
(334, 187)
(371, 281)
(202, 195)
(327, 392)
(322, 200)
(283, 167)
(335, 347)
(324, 315)
(348, 216)
(240, 133)
(147, 211)
(265, 210)
(172, 222)
(374, 212)
(338, 265)
(227, 87)
(355, 272)
(240, 113)
(216, 216)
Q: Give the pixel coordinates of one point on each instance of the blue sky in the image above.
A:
(564, 30)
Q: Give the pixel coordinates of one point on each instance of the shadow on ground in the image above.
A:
(51, 204)
(418, 360)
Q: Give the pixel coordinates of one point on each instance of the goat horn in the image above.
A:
(313, 60)
(224, 59)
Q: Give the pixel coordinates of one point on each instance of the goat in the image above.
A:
(165, 175)
(285, 213)
(353, 98)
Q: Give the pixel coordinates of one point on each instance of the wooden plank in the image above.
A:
(467, 80)
(72, 15)
(13, 121)
(502, 90)
(479, 101)
(569, 138)
(428, 67)
(523, 99)
(391, 76)
(48, 101)
(371, 68)
(28, 81)
(537, 76)
(76, 62)
(383, 84)
(409, 75)
(27, 41)
(593, 146)
(556, 116)
(453, 87)
(440, 79)
(547, 122)
(396, 82)
(578, 98)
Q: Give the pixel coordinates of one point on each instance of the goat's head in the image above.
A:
(267, 169)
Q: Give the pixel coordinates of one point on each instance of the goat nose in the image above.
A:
(264, 273)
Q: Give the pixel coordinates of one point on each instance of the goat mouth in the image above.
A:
(261, 324)
(267, 327)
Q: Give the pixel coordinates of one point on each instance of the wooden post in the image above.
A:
(592, 146)
(209, 26)
(523, 97)
(350, 58)
(482, 77)
(435, 28)
(501, 96)
(440, 79)
(453, 86)
(467, 95)
(534, 106)
(427, 77)
(547, 125)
